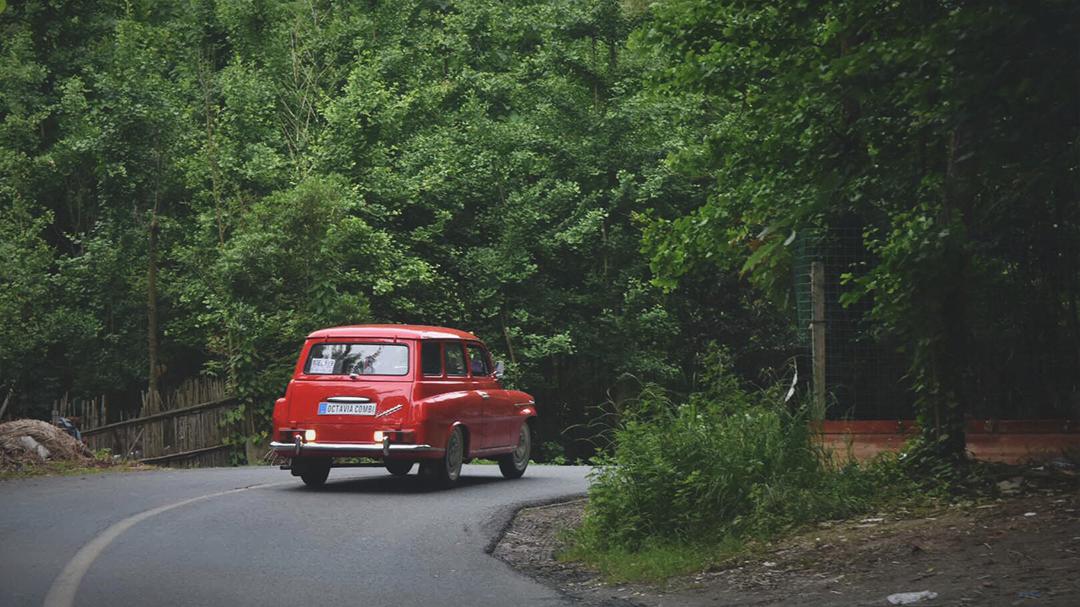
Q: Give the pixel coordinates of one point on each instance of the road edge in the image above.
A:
(499, 522)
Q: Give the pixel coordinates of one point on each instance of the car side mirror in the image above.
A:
(500, 369)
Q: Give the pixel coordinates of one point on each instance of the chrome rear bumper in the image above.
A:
(313, 448)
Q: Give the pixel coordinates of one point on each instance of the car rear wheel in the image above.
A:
(315, 473)
(446, 470)
(513, 464)
(398, 467)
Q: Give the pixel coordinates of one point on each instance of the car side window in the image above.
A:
(478, 361)
(455, 360)
(431, 358)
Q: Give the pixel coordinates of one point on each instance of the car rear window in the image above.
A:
(361, 359)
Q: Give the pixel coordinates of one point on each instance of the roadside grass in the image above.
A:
(714, 537)
(690, 485)
(658, 560)
(654, 562)
(543, 458)
(102, 463)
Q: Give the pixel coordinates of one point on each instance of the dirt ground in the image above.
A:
(1017, 550)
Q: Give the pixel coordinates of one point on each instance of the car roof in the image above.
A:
(393, 332)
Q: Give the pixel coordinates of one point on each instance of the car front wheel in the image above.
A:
(513, 464)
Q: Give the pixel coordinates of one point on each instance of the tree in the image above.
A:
(475, 163)
(907, 116)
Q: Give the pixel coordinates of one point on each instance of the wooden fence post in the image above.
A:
(817, 334)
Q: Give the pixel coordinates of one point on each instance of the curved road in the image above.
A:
(255, 536)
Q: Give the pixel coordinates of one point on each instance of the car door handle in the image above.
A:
(483, 395)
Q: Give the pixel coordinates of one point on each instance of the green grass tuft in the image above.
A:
(655, 561)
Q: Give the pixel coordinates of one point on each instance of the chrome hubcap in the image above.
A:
(521, 452)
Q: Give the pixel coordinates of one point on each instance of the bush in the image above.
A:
(724, 467)
(552, 452)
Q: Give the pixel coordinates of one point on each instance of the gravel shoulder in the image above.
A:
(1018, 550)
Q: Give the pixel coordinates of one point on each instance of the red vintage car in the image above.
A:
(403, 394)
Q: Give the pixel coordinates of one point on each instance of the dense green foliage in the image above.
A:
(585, 184)
(689, 483)
(948, 131)
(475, 164)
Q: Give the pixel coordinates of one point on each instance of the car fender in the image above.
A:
(436, 416)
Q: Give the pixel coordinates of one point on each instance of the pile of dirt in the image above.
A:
(29, 442)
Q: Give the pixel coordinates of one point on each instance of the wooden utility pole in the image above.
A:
(817, 335)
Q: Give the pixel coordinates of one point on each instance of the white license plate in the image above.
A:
(346, 408)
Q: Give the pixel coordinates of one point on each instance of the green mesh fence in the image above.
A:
(864, 376)
(1023, 355)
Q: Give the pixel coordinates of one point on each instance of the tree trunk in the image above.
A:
(506, 336)
(944, 426)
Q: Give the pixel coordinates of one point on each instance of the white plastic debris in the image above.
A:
(32, 445)
(910, 598)
(1010, 486)
(794, 382)
(1029, 514)
(1063, 464)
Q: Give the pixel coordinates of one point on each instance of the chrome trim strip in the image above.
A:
(297, 449)
(389, 411)
(348, 399)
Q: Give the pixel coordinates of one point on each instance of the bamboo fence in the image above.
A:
(186, 427)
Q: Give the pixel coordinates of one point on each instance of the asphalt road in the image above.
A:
(256, 536)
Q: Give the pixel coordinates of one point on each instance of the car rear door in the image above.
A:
(499, 412)
(456, 368)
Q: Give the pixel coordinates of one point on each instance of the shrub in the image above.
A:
(723, 467)
(552, 452)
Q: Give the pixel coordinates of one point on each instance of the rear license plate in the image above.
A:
(346, 408)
